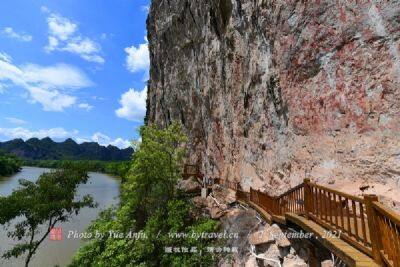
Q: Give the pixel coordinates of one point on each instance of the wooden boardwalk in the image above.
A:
(369, 232)
(350, 255)
(347, 253)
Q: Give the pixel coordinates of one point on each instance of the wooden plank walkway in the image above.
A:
(350, 255)
(370, 232)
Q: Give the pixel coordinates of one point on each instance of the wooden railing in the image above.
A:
(362, 222)
(242, 195)
(228, 184)
(338, 211)
(386, 234)
(291, 201)
(191, 170)
(263, 200)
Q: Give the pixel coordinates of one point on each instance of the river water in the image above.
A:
(103, 188)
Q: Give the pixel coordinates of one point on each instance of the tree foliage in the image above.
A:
(117, 168)
(9, 164)
(150, 204)
(39, 206)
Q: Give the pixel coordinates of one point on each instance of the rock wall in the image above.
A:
(273, 91)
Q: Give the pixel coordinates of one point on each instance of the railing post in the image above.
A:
(276, 206)
(376, 242)
(307, 197)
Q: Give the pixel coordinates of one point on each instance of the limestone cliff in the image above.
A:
(272, 91)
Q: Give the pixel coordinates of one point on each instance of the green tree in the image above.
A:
(117, 168)
(154, 171)
(9, 164)
(150, 203)
(41, 205)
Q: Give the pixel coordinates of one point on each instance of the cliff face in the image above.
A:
(273, 91)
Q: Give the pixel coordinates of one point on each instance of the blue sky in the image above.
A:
(73, 69)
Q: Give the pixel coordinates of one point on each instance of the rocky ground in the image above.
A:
(258, 243)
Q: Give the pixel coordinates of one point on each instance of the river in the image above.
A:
(103, 188)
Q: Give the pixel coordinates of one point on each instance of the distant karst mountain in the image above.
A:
(47, 149)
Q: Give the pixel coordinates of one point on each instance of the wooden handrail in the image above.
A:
(291, 190)
(363, 222)
(228, 184)
(376, 240)
(387, 228)
(291, 201)
(338, 211)
(191, 170)
(343, 194)
(391, 215)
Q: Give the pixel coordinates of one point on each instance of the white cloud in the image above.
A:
(64, 36)
(145, 8)
(2, 88)
(15, 120)
(48, 85)
(133, 105)
(60, 27)
(138, 58)
(60, 134)
(105, 140)
(44, 9)
(85, 106)
(9, 32)
(53, 43)
(121, 143)
(60, 76)
(101, 138)
(51, 100)
(5, 57)
(80, 140)
(54, 133)
(99, 98)
(86, 48)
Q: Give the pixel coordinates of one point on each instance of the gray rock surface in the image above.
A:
(273, 91)
(327, 263)
(190, 185)
(294, 262)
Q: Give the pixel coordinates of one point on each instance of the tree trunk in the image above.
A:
(28, 259)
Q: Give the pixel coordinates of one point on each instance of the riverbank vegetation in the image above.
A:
(39, 206)
(116, 168)
(150, 205)
(9, 164)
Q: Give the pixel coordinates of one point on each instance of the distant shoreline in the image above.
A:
(117, 169)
